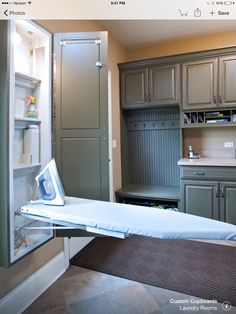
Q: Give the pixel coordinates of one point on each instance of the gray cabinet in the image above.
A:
(164, 85)
(227, 202)
(199, 198)
(81, 105)
(154, 86)
(227, 81)
(209, 83)
(134, 88)
(209, 192)
(199, 79)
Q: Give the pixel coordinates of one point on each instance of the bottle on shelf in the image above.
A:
(31, 111)
(31, 144)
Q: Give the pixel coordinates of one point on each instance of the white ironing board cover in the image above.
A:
(133, 219)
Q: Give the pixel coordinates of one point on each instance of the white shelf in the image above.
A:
(27, 81)
(26, 166)
(27, 119)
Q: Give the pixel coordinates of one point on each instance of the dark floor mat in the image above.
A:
(200, 269)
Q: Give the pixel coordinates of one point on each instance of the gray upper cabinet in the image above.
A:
(148, 87)
(134, 88)
(199, 84)
(164, 85)
(209, 83)
(227, 81)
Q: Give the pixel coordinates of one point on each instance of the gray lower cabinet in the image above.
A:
(199, 198)
(148, 87)
(209, 192)
(227, 202)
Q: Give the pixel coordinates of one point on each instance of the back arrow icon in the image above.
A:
(5, 12)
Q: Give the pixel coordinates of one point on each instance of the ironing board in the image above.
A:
(122, 220)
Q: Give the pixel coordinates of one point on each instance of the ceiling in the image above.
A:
(135, 33)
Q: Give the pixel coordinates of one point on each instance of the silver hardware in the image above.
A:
(217, 192)
(99, 65)
(222, 191)
(98, 41)
(199, 173)
(63, 43)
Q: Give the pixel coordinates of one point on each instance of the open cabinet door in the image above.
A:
(81, 118)
(25, 132)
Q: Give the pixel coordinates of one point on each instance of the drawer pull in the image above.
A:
(199, 173)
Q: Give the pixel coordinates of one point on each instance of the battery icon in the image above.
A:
(228, 2)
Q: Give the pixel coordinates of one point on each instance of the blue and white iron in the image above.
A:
(50, 186)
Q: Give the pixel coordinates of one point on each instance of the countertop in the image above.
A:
(220, 162)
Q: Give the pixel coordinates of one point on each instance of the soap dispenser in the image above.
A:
(190, 151)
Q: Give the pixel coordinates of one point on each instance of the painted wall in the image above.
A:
(183, 45)
(209, 142)
(116, 54)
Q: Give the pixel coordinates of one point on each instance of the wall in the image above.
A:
(31, 263)
(209, 142)
(184, 45)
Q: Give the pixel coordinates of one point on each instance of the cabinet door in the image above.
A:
(81, 106)
(200, 84)
(227, 80)
(134, 88)
(164, 85)
(228, 201)
(200, 198)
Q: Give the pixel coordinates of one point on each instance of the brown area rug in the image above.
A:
(195, 268)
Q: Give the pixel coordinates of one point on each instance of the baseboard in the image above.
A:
(28, 291)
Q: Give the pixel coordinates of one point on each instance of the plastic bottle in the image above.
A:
(31, 143)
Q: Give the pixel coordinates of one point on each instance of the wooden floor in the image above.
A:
(82, 291)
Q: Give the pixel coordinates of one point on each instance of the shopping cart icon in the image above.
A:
(183, 13)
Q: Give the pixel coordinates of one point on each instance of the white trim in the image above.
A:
(111, 184)
(29, 290)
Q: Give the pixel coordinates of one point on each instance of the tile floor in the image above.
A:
(82, 291)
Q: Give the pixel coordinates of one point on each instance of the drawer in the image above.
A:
(219, 173)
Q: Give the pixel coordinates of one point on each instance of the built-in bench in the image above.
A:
(149, 195)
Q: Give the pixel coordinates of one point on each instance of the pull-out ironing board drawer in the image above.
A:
(120, 220)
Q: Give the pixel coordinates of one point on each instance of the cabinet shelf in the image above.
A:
(27, 81)
(29, 167)
(208, 118)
